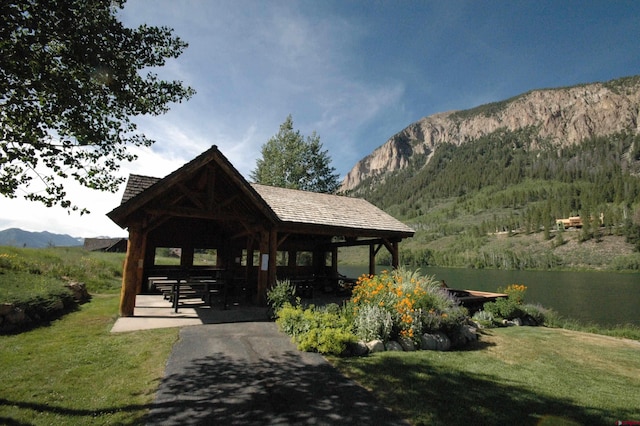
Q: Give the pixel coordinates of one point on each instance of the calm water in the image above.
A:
(603, 298)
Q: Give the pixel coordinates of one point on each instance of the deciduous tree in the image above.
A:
(72, 77)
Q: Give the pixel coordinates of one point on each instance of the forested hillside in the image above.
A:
(512, 183)
(493, 201)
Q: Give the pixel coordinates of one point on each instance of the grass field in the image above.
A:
(74, 371)
(519, 375)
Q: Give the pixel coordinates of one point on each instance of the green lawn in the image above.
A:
(76, 372)
(520, 375)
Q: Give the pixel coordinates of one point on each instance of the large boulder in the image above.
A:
(358, 348)
(407, 344)
(437, 341)
(392, 345)
(443, 343)
(79, 291)
(376, 346)
(428, 342)
(463, 335)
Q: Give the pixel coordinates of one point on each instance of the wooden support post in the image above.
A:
(263, 270)
(273, 260)
(372, 260)
(334, 262)
(395, 255)
(186, 257)
(132, 272)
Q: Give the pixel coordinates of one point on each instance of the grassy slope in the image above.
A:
(589, 255)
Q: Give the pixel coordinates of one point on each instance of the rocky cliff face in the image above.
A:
(564, 116)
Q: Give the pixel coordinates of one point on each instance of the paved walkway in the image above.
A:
(153, 311)
(246, 372)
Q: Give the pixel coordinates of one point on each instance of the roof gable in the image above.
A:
(207, 173)
(183, 193)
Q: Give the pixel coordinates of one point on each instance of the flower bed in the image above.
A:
(399, 310)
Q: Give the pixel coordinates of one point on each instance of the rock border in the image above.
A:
(462, 336)
(24, 316)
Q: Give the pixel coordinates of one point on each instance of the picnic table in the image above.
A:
(203, 287)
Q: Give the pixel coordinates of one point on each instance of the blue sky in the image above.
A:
(355, 72)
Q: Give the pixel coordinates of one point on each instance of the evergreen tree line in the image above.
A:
(525, 182)
(606, 165)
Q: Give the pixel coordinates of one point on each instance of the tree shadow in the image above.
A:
(282, 390)
(426, 394)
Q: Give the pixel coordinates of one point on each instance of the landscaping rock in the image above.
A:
(463, 335)
(376, 346)
(79, 291)
(392, 345)
(358, 349)
(428, 342)
(457, 339)
(407, 344)
(16, 316)
(5, 308)
(470, 333)
(443, 343)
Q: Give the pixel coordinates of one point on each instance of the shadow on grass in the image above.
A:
(220, 390)
(73, 415)
(426, 394)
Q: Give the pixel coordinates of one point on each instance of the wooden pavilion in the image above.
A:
(259, 233)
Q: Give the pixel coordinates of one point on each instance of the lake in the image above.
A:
(603, 298)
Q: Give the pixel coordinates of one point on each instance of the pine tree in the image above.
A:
(291, 161)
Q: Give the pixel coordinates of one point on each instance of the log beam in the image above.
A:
(132, 273)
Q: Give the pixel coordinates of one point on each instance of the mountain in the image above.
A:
(20, 238)
(488, 187)
(562, 116)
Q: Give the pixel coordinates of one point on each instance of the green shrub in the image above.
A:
(453, 317)
(537, 312)
(504, 308)
(279, 295)
(293, 320)
(484, 318)
(323, 330)
(511, 307)
(328, 341)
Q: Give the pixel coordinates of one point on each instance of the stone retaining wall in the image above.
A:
(16, 317)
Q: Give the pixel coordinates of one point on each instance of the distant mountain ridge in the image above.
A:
(20, 238)
(563, 116)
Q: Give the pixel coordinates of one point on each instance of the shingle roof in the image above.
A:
(279, 204)
(136, 184)
(94, 244)
(291, 205)
(312, 208)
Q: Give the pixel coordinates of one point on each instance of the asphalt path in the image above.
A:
(251, 374)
